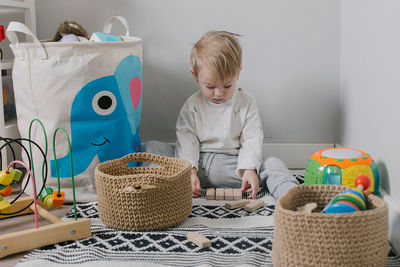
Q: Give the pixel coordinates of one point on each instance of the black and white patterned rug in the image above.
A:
(238, 238)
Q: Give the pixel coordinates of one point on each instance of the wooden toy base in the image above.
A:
(56, 232)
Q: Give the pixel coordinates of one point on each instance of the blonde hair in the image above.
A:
(220, 51)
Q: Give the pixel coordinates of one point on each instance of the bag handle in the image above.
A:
(14, 27)
(109, 22)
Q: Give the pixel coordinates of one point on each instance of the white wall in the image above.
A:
(291, 57)
(369, 94)
(370, 84)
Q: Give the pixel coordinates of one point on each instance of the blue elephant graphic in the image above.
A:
(105, 118)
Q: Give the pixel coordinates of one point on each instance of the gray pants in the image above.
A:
(219, 170)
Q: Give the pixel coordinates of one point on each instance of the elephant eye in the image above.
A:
(104, 103)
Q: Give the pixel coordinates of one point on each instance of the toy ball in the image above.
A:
(341, 166)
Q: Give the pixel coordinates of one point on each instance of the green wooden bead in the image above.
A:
(46, 191)
(16, 174)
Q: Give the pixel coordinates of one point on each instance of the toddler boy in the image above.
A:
(219, 129)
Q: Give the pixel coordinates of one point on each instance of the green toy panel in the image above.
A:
(332, 175)
(314, 173)
(376, 177)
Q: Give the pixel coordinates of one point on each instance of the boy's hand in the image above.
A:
(195, 183)
(250, 182)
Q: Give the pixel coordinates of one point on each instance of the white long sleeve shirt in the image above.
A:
(232, 127)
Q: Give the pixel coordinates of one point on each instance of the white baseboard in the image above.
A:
(394, 219)
(295, 155)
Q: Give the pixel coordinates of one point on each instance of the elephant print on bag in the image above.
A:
(105, 118)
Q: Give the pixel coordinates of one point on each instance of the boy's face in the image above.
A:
(213, 89)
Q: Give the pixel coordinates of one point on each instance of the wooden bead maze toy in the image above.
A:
(39, 203)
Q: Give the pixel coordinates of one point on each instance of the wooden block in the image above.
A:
(199, 239)
(236, 204)
(254, 205)
(237, 194)
(220, 194)
(210, 194)
(228, 194)
(308, 208)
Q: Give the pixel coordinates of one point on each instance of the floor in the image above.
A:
(24, 222)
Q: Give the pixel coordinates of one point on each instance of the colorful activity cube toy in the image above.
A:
(341, 166)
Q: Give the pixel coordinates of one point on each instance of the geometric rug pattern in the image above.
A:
(237, 237)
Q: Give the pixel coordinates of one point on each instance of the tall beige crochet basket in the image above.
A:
(143, 198)
(316, 239)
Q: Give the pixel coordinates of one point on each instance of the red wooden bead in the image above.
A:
(364, 181)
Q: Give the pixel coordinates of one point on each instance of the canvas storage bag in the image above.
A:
(92, 89)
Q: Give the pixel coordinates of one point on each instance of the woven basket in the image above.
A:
(143, 198)
(316, 239)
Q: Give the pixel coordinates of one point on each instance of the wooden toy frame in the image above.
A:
(56, 232)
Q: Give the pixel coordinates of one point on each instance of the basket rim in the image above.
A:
(165, 178)
(168, 178)
(278, 206)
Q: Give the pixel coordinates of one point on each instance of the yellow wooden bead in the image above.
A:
(48, 200)
(5, 178)
(5, 206)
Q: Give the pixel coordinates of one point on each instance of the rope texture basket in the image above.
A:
(316, 239)
(143, 198)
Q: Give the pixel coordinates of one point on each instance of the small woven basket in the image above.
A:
(143, 198)
(316, 239)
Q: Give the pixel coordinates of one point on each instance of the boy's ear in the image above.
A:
(194, 75)
(238, 74)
